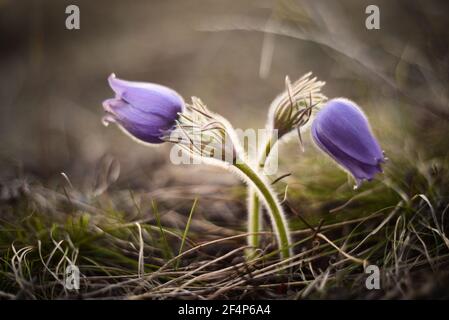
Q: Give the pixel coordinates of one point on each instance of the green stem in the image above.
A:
(254, 219)
(280, 225)
(254, 222)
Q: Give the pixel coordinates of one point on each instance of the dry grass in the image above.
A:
(132, 245)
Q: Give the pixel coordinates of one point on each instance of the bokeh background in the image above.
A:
(232, 54)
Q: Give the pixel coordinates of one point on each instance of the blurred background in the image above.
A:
(232, 54)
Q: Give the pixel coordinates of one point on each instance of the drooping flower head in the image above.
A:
(146, 111)
(341, 129)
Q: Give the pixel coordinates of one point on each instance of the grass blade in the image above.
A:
(186, 230)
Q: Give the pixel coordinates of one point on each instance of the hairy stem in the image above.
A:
(273, 206)
(254, 208)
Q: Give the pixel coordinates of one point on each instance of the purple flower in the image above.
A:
(146, 111)
(341, 129)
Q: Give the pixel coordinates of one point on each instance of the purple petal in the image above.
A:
(342, 122)
(144, 126)
(126, 112)
(147, 134)
(148, 97)
(360, 170)
(145, 110)
(341, 130)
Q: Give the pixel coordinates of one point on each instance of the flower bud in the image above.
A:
(292, 109)
(341, 129)
(146, 111)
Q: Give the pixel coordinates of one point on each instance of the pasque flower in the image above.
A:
(341, 129)
(146, 111)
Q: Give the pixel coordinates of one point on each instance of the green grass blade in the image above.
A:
(167, 250)
(186, 230)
